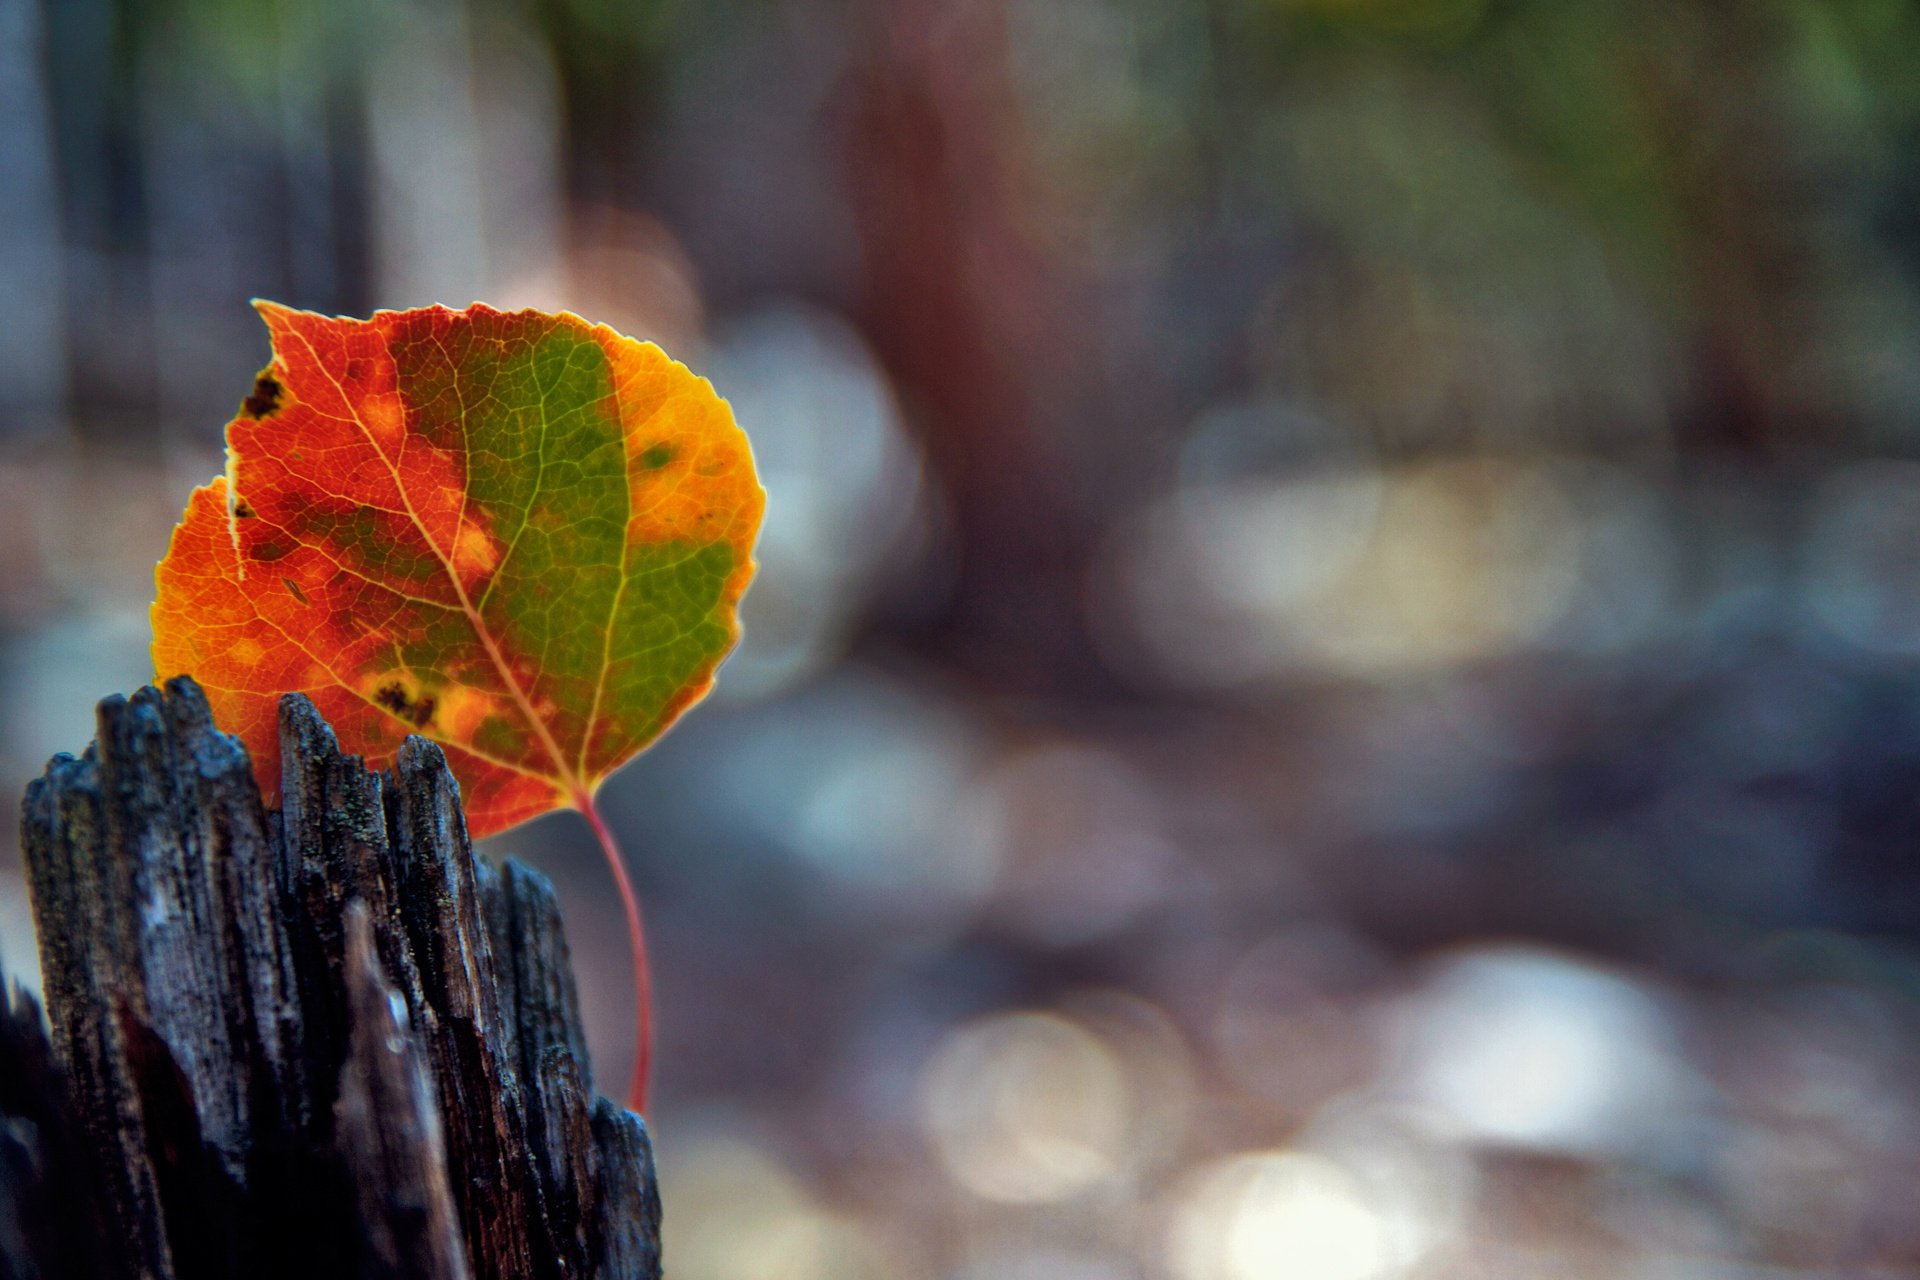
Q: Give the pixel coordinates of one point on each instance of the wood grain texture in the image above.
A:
(320, 1041)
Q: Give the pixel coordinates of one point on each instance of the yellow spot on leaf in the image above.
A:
(463, 709)
(385, 419)
(475, 552)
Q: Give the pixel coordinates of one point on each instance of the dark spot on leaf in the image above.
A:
(268, 552)
(298, 594)
(265, 398)
(242, 511)
(656, 456)
(393, 696)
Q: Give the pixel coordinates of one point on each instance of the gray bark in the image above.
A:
(323, 1041)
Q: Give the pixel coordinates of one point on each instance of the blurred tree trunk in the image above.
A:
(980, 332)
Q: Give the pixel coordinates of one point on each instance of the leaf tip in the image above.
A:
(277, 316)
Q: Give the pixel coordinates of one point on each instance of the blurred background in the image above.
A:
(1332, 692)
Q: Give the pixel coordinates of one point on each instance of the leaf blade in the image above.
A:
(516, 533)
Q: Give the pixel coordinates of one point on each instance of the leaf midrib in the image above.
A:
(577, 792)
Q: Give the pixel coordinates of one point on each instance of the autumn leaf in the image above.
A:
(518, 534)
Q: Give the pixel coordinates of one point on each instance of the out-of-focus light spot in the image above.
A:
(1354, 572)
(1409, 1162)
(859, 778)
(1291, 1026)
(1155, 1063)
(1274, 505)
(1027, 1108)
(1075, 833)
(1277, 543)
(1532, 1049)
(1468, 559)
(1274, 1214)
(844, 493)
(1862, 561)
(851, 823)
(733, 1211)
(1048, 1264)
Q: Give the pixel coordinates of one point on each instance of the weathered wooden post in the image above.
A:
(326, 1041)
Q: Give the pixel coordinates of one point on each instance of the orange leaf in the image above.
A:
(518, 534)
